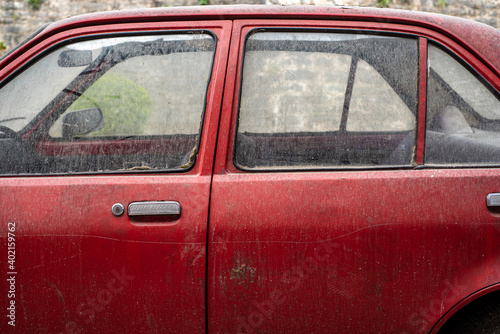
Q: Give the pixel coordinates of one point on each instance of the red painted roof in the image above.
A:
(480, 38)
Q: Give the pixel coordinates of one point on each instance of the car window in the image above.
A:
(32, 90)
(366, 110)
(326, 100)
(463, 120)
(115, 104)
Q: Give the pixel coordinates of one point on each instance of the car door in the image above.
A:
(324, 215)
(108, 136)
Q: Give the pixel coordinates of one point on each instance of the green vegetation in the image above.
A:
(35, 4)
(383, 3)
(442, 3)
(125, 105)
(3, 48)
(203, 2)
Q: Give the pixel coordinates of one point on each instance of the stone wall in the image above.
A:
(18, 20)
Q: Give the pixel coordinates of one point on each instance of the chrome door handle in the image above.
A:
(493, 200)
(158, 208)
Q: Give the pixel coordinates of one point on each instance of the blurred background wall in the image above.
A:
(19, 18)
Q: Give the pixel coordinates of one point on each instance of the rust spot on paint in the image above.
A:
(243, 273)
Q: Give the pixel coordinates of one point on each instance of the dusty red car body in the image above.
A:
(339, 251)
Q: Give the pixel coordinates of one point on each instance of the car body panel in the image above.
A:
(72, 252)
(324, 252)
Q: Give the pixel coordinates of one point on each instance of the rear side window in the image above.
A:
(463, 116)
(112, 104)
(316, 99)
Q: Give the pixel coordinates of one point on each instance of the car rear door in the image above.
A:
(324, 217)
(104, 212)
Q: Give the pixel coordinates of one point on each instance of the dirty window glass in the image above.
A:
(367, 113)
(463, 115)
(115, 104)
(326, 100)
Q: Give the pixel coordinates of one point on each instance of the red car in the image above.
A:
(251, 170)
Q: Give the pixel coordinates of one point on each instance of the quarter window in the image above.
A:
(463, 116)
(326, 100)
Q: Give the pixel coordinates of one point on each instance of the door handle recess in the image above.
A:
(493, 200)
(159, 208)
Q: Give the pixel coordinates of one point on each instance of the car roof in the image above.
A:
(479, 38)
